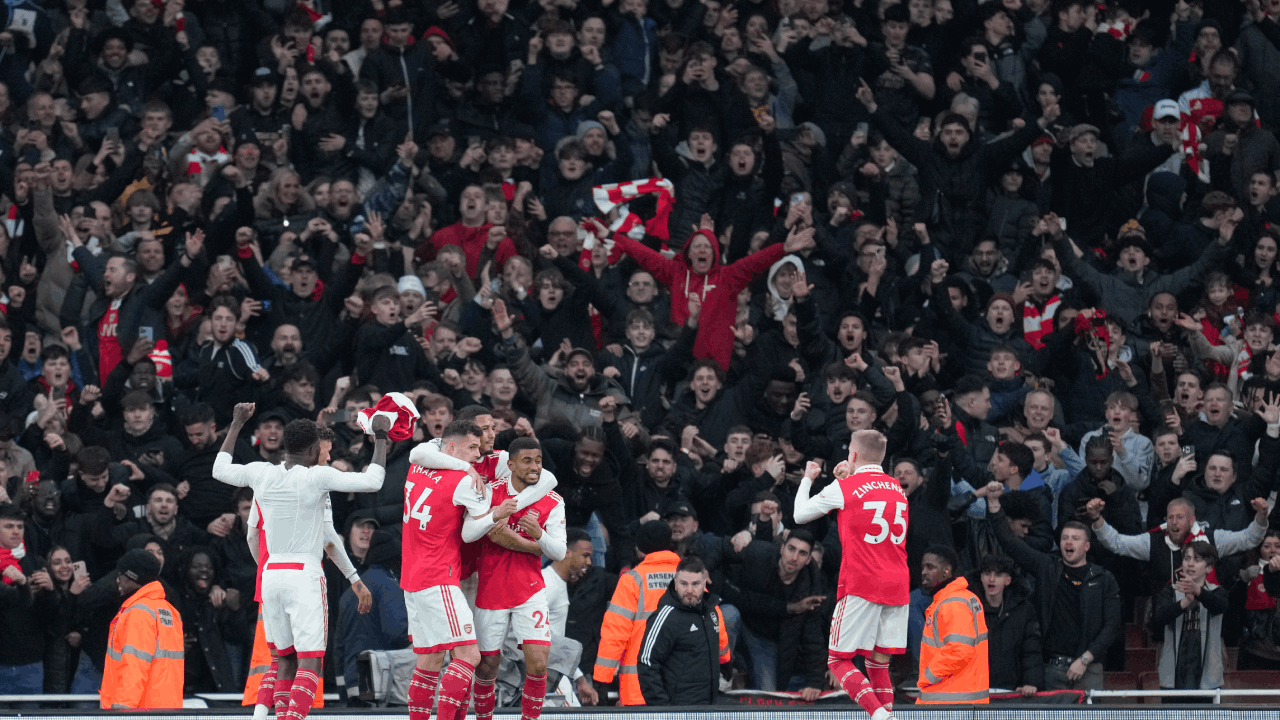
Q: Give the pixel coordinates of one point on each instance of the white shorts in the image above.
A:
(861, 627)
(295, 609)
(439, 619)
(528, 621)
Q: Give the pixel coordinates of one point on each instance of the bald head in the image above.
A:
(867, 447)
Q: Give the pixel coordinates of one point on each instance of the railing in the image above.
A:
(1217, 695)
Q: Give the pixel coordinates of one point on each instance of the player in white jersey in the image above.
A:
(291, 500)
(335, 550)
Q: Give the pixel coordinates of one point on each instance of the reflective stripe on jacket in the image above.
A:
(953, 648)
(260, 663)
(622, 632)
(144, 665)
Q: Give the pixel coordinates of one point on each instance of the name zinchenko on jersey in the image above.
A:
(865, 488)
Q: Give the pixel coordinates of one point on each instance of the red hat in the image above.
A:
(396, 407)
(438, 32)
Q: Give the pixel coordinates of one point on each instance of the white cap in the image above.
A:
(411, 282)
(1166, 109)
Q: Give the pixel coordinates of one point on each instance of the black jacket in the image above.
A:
(679, 661)
(1099, 599)
(760, 595)
(1013, 639)
(588, 601)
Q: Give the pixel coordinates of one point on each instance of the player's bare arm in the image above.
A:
(239, 416)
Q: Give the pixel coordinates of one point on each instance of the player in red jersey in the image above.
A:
(442, 510)
(511, 594)
(874, 588)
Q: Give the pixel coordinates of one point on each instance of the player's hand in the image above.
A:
(812, 470)
(478, 484)
(529, 524)
(381, 423)
(842, 470)
(242, 413)
(505, 510)
(587, 694)
(365, 597)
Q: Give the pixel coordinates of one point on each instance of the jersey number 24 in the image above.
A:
(878, 507)
(419, 510)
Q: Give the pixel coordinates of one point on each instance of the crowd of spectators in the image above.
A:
(1033, 242)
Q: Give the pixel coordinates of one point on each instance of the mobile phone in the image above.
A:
(146, 332)
(797, 198)
(341, 416)
(1188, 450)
(495, 285)
(79, 569)
(1062, 223)
(224, 261)
(219, 113)
(113, 135)
(266, 305)
(861, 129)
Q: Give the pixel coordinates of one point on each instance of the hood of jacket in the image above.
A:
(715, 250)
(778, 306)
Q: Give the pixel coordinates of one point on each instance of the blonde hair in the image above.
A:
(870, 446)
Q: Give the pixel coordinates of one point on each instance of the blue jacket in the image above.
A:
(635, 53)
(385, 627)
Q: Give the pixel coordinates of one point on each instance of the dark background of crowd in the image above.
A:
(979, 228)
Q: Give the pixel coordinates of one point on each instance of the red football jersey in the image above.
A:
(872, 519)
(508, 578)
(487, 466)
(435, 504)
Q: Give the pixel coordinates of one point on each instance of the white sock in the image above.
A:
(260, 712)
(882, 714)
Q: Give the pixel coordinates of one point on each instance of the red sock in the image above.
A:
(535, 691)
(486, 697)
(303, 693)
(878, 674)
(422, 693)
(280, 694)
(455, 690)
(267, 688)
(855, 684)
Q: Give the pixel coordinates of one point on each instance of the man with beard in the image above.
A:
(204, 500)
(590, 470)
(227, 367)
(578, 397)
(160, 518)
(1239, 137)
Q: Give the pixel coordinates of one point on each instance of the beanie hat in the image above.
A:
(1002, 296)
(139, 566)
(411, 283)
(653, 536)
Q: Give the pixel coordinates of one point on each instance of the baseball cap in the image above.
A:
(1166, 109)
(580, 351)
(680, 507)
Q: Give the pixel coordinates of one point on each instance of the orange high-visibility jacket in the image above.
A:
(144, 666)
(953, 649)
(260, 663)
(636, 597)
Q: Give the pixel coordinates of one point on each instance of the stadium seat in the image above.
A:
(1134, 636)
(1121, 680)
(1149, 681)
(1141, 659)
(1245, 679)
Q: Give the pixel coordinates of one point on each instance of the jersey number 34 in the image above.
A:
(420, 511)
(878, 507)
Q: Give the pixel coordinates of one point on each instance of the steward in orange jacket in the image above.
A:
(144, 663)
(636, 598)
(953, 649)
